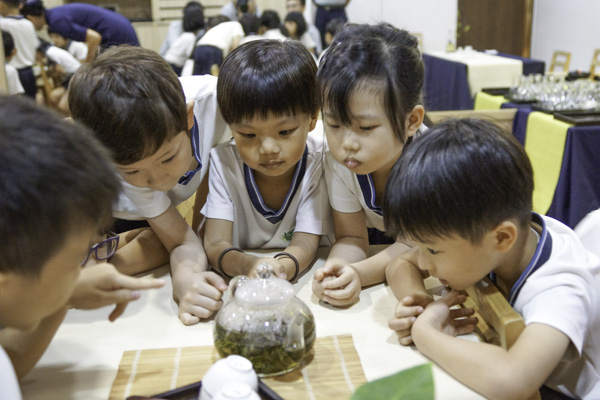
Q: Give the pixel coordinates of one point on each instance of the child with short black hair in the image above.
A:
(266, 186)
(57, 185)
(135, 104)
(193, 29)
(463, 193)
(371, 89)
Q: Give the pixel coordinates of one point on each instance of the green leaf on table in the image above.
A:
(413, 383)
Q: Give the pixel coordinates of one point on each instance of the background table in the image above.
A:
(82, 360)
(453, 79)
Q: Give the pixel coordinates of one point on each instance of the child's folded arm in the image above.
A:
(489, 369)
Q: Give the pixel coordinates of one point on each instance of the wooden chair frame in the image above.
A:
(595, 63)
(560, 59)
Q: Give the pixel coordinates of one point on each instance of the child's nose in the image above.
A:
(349, 141)
(269, 146)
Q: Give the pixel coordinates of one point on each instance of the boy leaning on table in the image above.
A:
(463, 194)
(57, 186)
(159, 130)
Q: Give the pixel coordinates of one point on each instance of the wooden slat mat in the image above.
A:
(332, 371)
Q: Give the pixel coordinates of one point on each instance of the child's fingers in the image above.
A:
(188, 319)
(117, 312)
(337, 283)
(405, 340)
(401, 324)
(216, 281)
(405, 312)
(128, 282)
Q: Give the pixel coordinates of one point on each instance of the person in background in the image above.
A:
(266, 187)
(372, 108)
(328, 10)
(57, 185)
(270, 25)
(235, 9)
(463, 193)
(160, 130)
(12, 75)
(295, 26)
(311, 29)
(214, 46)
(250, 23)
(182, 47)
(96, 26)
(77, 49)
(25, 41)
(175, 28)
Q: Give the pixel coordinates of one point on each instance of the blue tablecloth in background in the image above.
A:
(446, 85)
(530, 66)
(578, 189)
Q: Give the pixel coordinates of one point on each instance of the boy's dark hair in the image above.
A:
(462, 177)
(250, 23)
(132, 100)
(380, 58)
(33, 7)
(193, 17)
(265, 76)
(334, 26)
(56, 179)
(298, 18)
(270, 19)
(12, 3)
(9, 43)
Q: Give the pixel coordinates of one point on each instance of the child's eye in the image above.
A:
(168, 160)
(286, 132)
(366, 128)
(333, 126)
(247, 135)
(432, 251)
(131, 172)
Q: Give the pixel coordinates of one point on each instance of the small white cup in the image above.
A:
(231, 369)
(236, 391)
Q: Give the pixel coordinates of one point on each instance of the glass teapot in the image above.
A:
(266, 323)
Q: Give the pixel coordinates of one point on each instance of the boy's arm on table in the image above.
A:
(303, 247)
(26, 348)
(197, 290)
(490, 370)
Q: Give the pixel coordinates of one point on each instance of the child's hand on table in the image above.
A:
(101, 284)
(406, 313)
(440, 316)
(338, 285)
(198, 294)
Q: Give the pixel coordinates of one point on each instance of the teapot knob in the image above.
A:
(264, 271)
(235, 283)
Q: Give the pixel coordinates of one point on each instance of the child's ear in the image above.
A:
(414, 120)
(505, 236)
(190, 114)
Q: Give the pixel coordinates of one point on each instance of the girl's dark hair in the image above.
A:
(461, 177)
(375, 56)
(250, 23)
(270, 19)
(298, 18)
(267, 76)
(193, 17)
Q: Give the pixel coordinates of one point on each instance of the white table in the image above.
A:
(83, 358)
(485, 70)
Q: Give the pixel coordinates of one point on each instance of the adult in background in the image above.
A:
(96, 26)
(328, 10)
(235, 9)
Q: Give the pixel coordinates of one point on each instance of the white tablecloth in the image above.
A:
(485, 70)
(83, 358)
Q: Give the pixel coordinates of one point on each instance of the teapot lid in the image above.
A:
(266, 290)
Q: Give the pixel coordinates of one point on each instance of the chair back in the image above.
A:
(498, 323)
(504, 117)
(595, 63)
(560, 61)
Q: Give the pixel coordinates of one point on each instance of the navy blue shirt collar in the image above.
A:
(368, 190)
(195, 139)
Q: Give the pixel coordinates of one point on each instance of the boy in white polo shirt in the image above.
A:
(266, 185)
(136, 105)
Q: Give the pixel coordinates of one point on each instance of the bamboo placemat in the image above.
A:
(332, 371)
